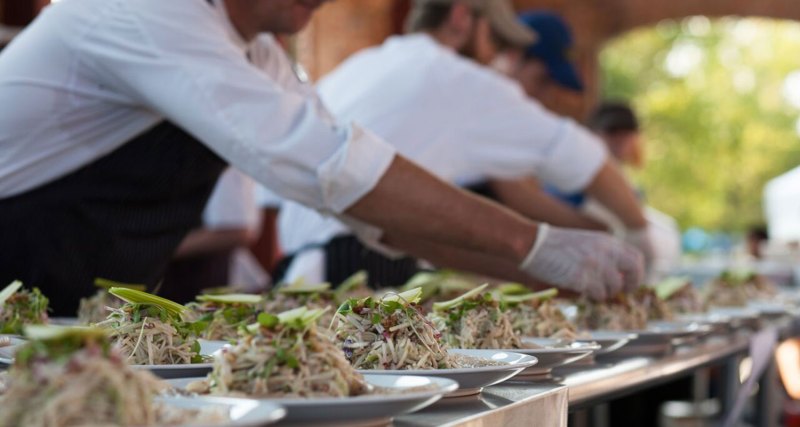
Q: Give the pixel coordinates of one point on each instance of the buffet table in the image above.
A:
(572, 389)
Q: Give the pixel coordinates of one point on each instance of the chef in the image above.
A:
(119, 116)
(428, 93)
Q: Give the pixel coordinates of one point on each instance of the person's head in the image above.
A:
(251, 17)
(617, 125)
(471, 27)
(757, 236)
(546, 62)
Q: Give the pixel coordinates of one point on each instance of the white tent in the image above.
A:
(782, 206)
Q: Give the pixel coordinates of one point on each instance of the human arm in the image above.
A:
(204, 241)
(527, 197)
(206, 86)
(583, 261)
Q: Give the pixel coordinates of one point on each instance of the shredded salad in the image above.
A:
(95, 309)
(20, 307)
(536, 314)
(475, 320)
(389, 333)
(736, 289)
(219, 317)
(624, 312)
(71, 376)
(283, 355)
(149, 330)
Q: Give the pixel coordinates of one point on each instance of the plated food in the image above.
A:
(149, 330)
(536, 314)
(68, 376)
(283, 356)
(20, 307)
(475, 320)
(680, 296)
(95, 309)
(623, 312)
(389, 332)
(734, 289)
(439, 285)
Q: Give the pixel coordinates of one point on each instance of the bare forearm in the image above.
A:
(443, 256)
(527, 197)
(203, 241)
(614, 192)
(409, 201)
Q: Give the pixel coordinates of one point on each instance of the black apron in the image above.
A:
(119, 218)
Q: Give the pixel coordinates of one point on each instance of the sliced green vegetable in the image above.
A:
(513, 289)
(9, 290)
(232, 298)
(667, 288)
(138, 297)
(533, 296)
(455, 302)
(108, 284)
(300, 287)
(412, 296)
(352, 282)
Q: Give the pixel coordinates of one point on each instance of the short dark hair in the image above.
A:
(427, 17)
(612, 117)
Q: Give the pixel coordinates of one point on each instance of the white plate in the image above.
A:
(377, 409)
(473, 380)
(553, 354)
(178, 371)
(770, 309)
(163, 371)
(740, 317)
(720, 323)
(660, 337)
(242, 412)
(609, 341)
(210, 347)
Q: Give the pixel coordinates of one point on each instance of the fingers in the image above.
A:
(631, 265)
(613, 281)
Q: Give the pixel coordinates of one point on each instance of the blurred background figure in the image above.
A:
(540, 68)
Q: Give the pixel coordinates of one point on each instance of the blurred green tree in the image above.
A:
(719, 102)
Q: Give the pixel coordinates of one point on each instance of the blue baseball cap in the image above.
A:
(552, 47)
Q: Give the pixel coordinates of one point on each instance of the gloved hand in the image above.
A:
(587, 262)
(640, 239)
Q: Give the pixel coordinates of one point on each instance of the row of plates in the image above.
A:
(525, 364)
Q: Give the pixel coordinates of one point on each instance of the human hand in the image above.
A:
(587, 262)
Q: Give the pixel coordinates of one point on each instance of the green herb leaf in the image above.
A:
(267, 320)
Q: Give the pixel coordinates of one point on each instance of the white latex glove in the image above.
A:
(587, 262)
(640, 239)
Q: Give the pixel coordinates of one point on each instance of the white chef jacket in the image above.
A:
(460, 120)
(89, 75)
(233, 204)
